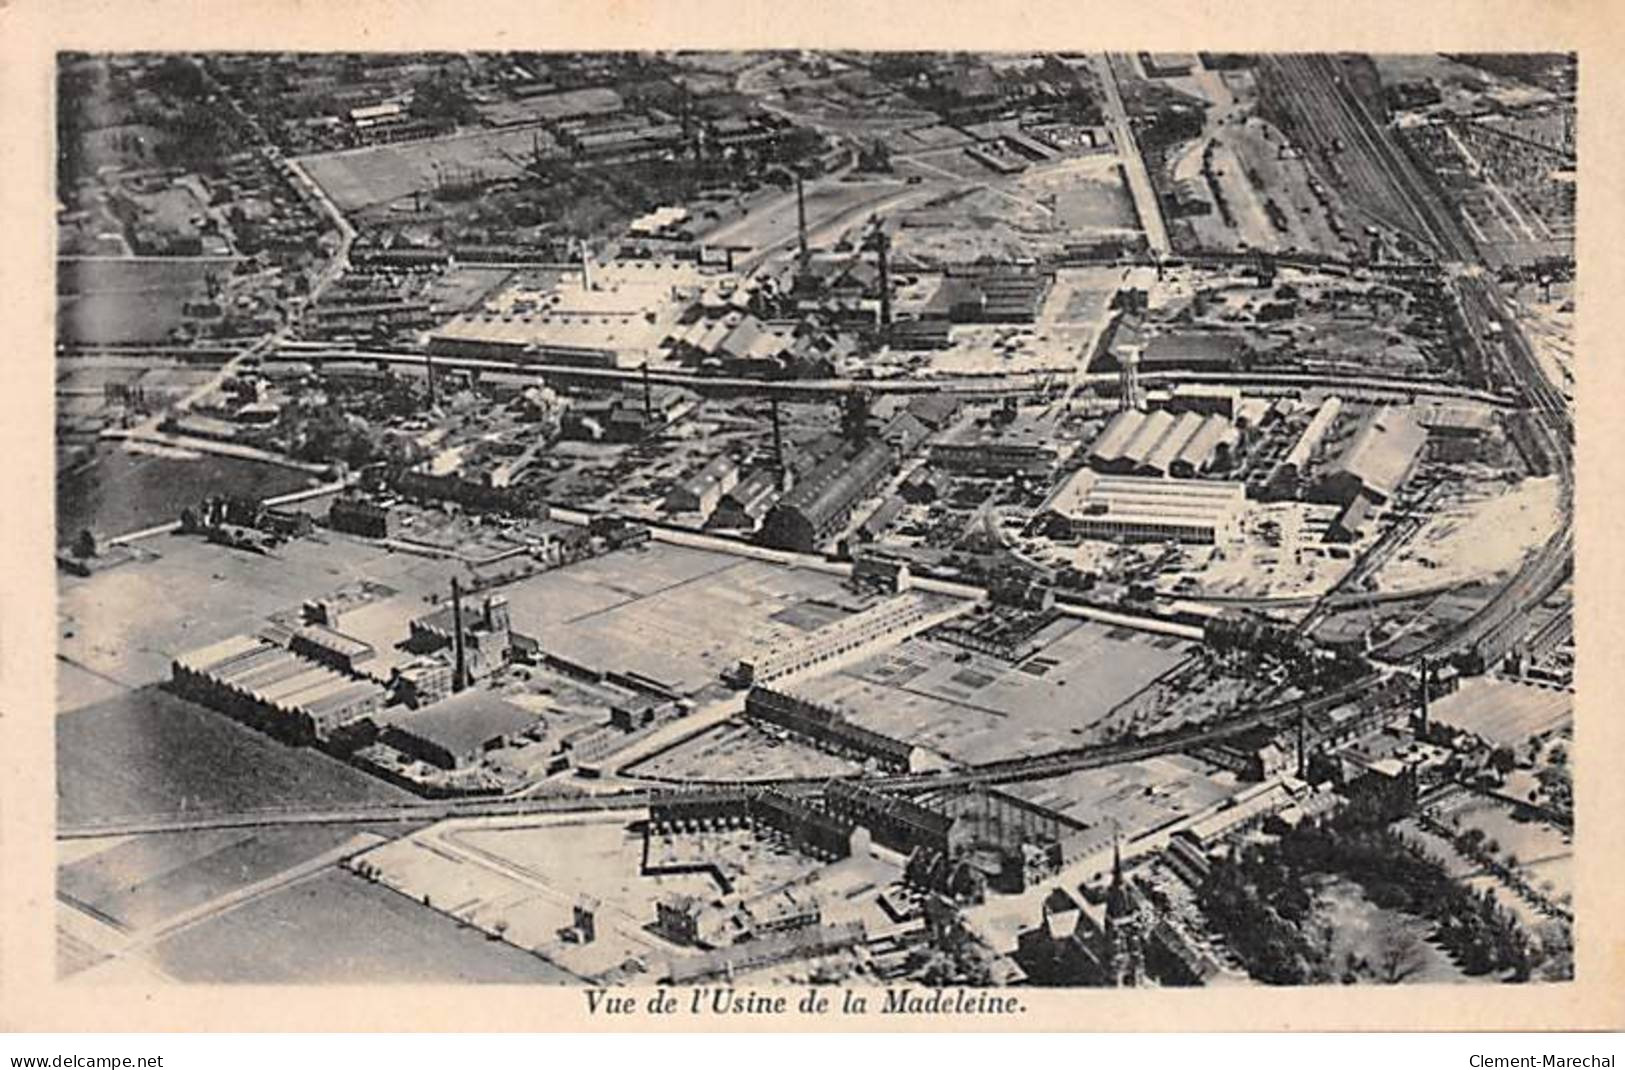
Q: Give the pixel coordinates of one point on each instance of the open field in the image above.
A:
(125, 300)
(339, 929)
(1504, 711)
(982, 708)
(363, 178)
(509, 879)
(1478, 532)
(736, 750)
(122, 491)
(147, 880)
(773, 221)
(149, 752)
(1545, 852)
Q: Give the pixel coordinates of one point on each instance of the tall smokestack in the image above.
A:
(778, 436)
(586, 267)
(801, 227)
(648, 397)
(1423, 718)
(1303, 750)
(883, 243)
(459, 679)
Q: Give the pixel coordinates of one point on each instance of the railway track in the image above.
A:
(1005, 771)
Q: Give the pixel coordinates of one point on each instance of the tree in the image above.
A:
(1399, 953)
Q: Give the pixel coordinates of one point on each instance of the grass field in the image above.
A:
(147, 880)
(339, 929)
(125, 300)
(148, 752)
(121, 492)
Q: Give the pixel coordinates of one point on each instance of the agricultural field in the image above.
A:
(339, 929)
(121, 490)
(150, 753)
(145, 881)
(114, 300)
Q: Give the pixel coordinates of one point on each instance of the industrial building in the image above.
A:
(268, 686)
(821, 502)
(893, 617)
(598, 318)
(896, 821)
(321, 643)
(1137, 451)
(1377, 461)
(1213, 442)
(826, 727)
(744, 507)
(702, 492)
(1206, 398)
(1106, 452)
(1159, 461)
(358, 516)
(455, 733)
(1090, 505)
(486, 642)
(1007, 443)
(809, 828)
(1288, 475)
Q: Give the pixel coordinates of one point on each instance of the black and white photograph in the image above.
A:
(935, 525)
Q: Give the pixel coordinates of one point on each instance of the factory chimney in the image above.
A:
(1303, 749)
(459, 679)
(883, 246)
(648, 397)
(586, 267)
(801, 227)
(1422, 712)
(778, 436)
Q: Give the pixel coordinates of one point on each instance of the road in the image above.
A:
(1139, 179)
